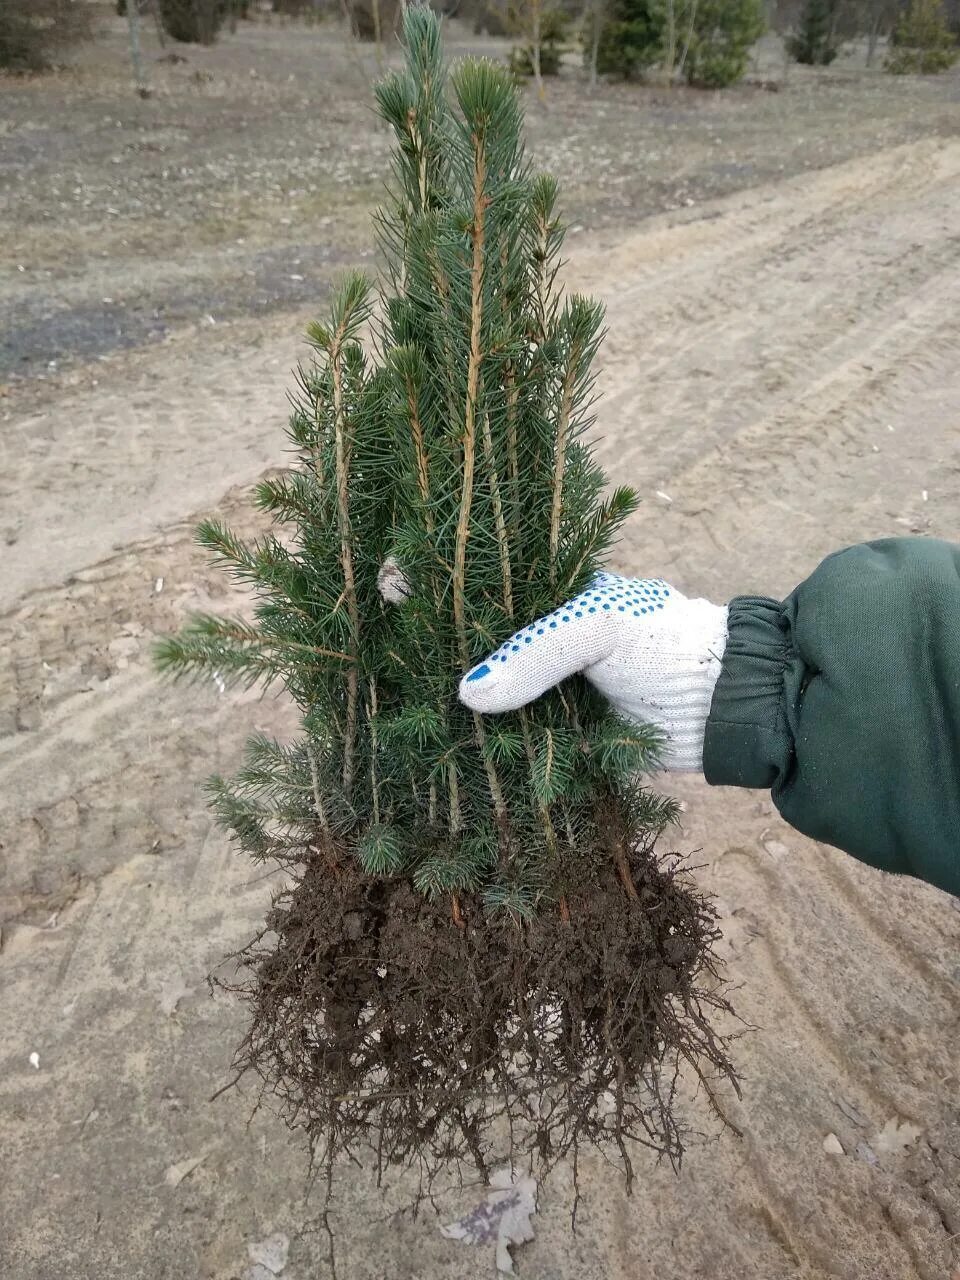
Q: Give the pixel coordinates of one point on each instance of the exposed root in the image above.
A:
(387, 1024)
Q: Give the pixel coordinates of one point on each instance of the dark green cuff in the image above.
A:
(748, 741)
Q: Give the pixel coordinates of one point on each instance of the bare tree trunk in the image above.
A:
(136, 58)
(691, 27)
(158, 23)
(873, 36)
(597, 13)
(670, 42)
(536, 39)
(353, 52)
(377, 33)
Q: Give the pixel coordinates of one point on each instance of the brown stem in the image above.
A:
(346, 554)
(372, 715)
(468, 443)
(442, 286)
(623, 870)
(550, 834)
(560, 455)
(601, 525)
(543, 233)
(417, 142)
(456, 913)
(243, 638)
(510, 379)
(513, 465)
(501, 527)
(315, 780)
(564, 909)
(456, 817)
(493, 781)
(420, 450)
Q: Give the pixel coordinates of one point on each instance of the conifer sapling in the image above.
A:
(475, 924)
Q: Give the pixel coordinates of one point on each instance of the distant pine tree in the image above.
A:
(192, 21)
(708, 42)
(723, 33)
(630, 39)
(814, 41)
(34, 32)
(476, 925)
(922, 42)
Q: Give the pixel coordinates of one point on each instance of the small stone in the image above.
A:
(34, 1061)
(832, 1146)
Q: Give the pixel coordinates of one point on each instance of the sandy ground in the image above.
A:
(781, 378)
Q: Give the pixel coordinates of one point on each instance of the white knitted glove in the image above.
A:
(652, 652)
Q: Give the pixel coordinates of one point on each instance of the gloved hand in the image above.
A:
(651, 651)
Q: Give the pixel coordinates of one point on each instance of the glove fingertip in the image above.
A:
(484, 689)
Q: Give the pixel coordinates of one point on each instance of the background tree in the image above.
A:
(875, 18)
(723, 33)
(630, 38)
(814, 41)
(706, 41)
(34, 34)
(133, 15)
(591, 25)
(542, 54)
(476, 928)
(374, 20)
(922, 42)
(192, 21)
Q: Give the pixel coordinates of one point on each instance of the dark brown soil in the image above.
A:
(378, 1020)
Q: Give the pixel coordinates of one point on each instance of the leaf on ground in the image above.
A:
(502, 1217)
(177, 1172)
(271, 1254)
(171, 993)
(896, 1136)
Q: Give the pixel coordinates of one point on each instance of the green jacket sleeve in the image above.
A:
(844, 700)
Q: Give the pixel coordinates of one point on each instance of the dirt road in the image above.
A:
(781, 378)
